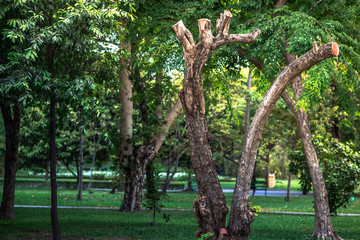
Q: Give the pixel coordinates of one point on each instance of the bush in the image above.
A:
(341, 169)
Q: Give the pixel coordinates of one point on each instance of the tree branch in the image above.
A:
(222, 24)
(237, 38)
(159, 138)
(185, 37)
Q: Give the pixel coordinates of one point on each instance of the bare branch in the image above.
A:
(159, 138)
(185, 37)
(222, 24)
(236, 38)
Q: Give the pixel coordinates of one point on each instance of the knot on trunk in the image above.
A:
(203, 216)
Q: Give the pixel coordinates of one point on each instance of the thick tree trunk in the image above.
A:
(12, 139)
(210, 207)
(134, 182)
(81, 160)
(241, 212)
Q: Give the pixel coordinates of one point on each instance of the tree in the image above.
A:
(209, 207)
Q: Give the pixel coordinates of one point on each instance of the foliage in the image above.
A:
(153, 196)
(340, 165)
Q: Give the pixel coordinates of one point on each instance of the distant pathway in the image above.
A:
(175, 209)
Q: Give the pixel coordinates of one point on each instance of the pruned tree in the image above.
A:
(209, 207)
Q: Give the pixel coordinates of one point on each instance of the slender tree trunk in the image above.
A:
(12, 139)
(81, 160)
(323, 227)
(93, 157)
(52, 143)
(287, 198)
(54, 214)
(247, 110)
(241, 213)
(310, 152)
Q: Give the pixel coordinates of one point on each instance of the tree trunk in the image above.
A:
(93, 157)
(247, 110)
(134, 181)
(54, 215)
(81, 160)
(304, 125)
(210, 207)
(12, 139)
(241, 213)
(52, 142)
(323, 227)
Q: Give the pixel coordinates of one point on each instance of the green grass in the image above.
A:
(112, 224)
(32, 196)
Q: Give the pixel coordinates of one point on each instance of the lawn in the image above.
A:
(34, 196)
(111, 224)
(34, 223)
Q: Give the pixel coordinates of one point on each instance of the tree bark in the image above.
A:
(81, 160)
(209, 207)
(323, 227)
(247, 110)
(241, 213)
(310, 154)
(12, 139)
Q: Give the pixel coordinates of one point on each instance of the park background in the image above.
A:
(88, 65)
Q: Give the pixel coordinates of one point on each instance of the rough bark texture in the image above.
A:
(209, 207)
(323, 227)
(321, 212)
(12, 137)
(241, 213)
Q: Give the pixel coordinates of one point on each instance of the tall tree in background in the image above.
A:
(61, 36)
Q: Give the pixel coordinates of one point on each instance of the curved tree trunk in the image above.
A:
(323, 227)
(210, 207)
(321, 211)
(241, 212)
(12, 139)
